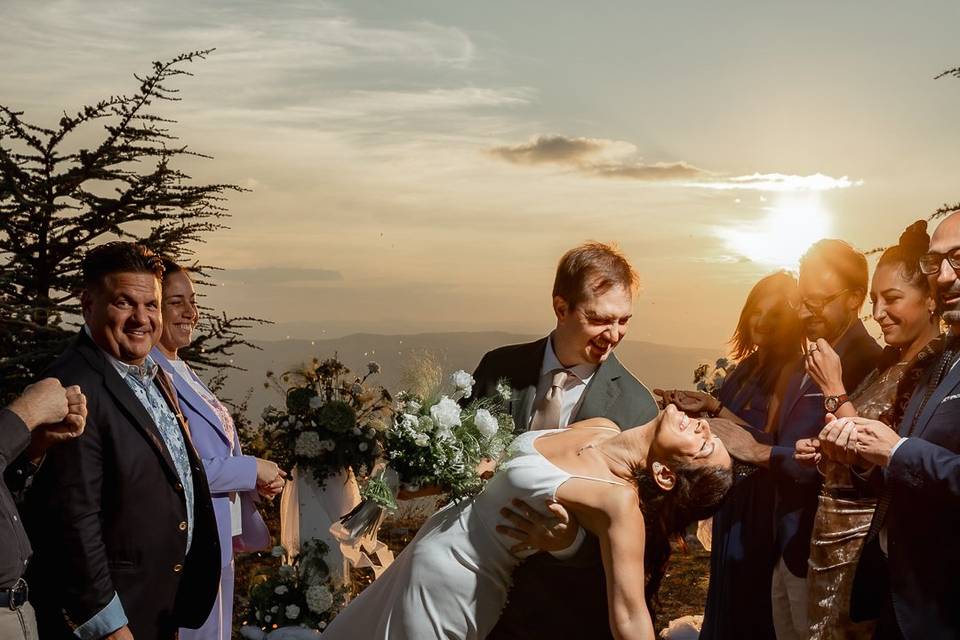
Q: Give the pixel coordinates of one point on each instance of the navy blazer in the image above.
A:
(922, 483)
(802, 416)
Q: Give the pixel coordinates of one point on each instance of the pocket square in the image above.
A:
(948, 398)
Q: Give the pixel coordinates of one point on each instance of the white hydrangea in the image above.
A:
(319, 598)
(280, 590)
(426, 424)
(486, 423)
(446, 413)
(292, 612)
(464, 382)
(308, 445)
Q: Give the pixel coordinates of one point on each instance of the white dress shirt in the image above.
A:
(572, 390)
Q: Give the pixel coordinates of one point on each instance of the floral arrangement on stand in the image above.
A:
(332, 421)
(434, 443)
(297, 594)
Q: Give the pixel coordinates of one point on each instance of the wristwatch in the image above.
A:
(832, 403)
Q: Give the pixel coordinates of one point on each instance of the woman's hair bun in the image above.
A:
(914, 240)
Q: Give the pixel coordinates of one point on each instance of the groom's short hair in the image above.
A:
(593, 268)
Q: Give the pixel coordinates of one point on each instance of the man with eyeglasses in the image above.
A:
(908, 574)
(832, 288)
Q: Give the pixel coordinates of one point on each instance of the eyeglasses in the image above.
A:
(815, 307)
(930, 262)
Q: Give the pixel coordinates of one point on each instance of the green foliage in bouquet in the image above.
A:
(298, 594)
(332, 420)
(438, 442)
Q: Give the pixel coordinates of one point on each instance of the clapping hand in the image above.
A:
(270, 478)
(535, 531)
(695, 402)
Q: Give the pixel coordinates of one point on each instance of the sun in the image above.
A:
(782, 236)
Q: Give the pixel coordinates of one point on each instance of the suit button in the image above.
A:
(182, 526)
(177, 568)
(179, 487)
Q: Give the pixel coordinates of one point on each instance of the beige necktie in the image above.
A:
(547, 415)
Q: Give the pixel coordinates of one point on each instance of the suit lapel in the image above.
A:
(602, 391)
(184, 393)
(126, 400)
(949, 382)
(524, 381)
(792, 396)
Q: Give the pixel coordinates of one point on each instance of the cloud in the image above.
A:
(617, 159)
(278, 276)
(780, 182)
(596, 157)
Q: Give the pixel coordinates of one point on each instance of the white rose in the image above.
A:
(446, 413)
(363, 446)
(308, 445)
(267, 618)
(356, 431)
(319, 599)
(316, 402)
(486, 423)
(463, 382)
(282, 589)
(274, 609)
(292, 611)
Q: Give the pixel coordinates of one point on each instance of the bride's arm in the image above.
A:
(613, 515)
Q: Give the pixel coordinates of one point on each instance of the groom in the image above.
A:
(568, 376)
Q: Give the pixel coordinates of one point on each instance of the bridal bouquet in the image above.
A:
(332, 420)
(436, 443)
(440, 443)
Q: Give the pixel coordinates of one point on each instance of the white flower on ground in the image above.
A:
(316, 402)
(274, 609)
(446, 413)
(486, 423)
(308, 445)
(363, 446)
(292, 611)
(464, 382)
(278, 552)
(319, 599)
(268, 618)
(282, 589)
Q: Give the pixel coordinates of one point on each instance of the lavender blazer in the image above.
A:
(225, 473)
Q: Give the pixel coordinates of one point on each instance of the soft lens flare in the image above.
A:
(783, 235)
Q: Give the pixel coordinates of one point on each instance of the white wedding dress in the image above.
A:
(451, 581)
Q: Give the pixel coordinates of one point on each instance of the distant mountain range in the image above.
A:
(654, 364)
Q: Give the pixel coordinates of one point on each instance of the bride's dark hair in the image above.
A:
(696, 495)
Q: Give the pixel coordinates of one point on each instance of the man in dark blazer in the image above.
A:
(832, 287)
(121, 518)
(564, 595)
(908, 571)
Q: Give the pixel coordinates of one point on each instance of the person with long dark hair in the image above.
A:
(632, 489)
(764, 344)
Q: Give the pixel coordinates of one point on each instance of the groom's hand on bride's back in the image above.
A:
(535, 531)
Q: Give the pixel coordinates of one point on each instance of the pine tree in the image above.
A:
(59, 197)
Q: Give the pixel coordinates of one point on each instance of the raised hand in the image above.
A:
(823, 365)
(43, 402)
(535, 531)
(688, 401)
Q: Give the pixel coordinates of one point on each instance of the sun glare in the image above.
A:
(783, 234)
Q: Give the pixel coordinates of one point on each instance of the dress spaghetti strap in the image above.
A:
(619, 484)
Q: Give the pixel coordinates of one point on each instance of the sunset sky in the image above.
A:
(420, 166)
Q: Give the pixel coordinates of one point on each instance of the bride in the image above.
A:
(631, 489)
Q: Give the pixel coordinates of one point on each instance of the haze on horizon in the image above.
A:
(420, 166)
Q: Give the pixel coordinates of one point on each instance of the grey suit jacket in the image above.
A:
(550, 598)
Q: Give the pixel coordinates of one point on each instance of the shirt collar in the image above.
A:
(551, 363)
(145, 373)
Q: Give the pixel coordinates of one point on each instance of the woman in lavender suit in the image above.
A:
(235, 479)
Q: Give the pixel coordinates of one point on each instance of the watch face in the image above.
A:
(830, 404)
